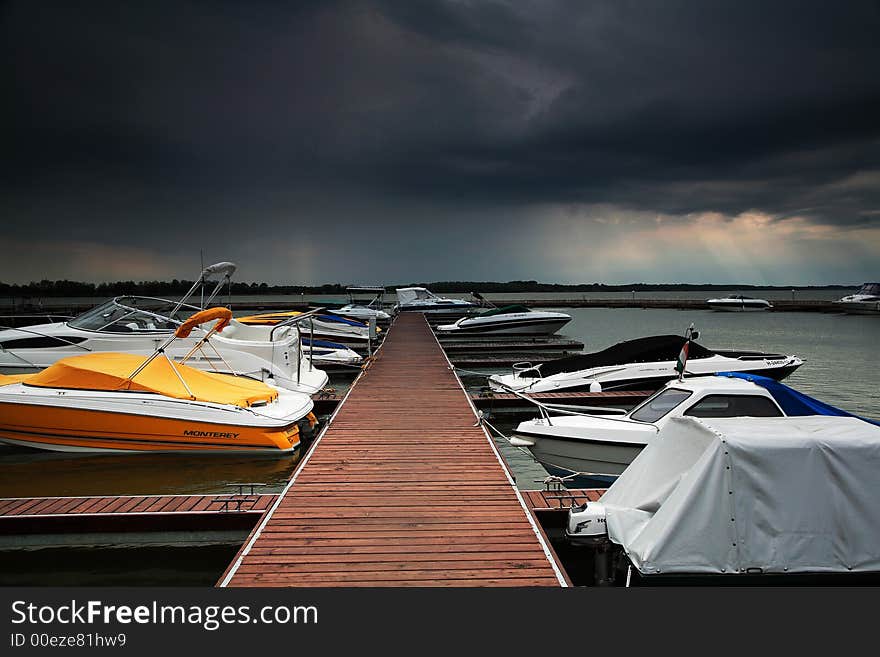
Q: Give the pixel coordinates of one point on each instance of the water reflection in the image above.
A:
(34, 473)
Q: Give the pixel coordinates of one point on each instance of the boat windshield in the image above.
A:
(133, 314)
(872, 289)
(653, 408)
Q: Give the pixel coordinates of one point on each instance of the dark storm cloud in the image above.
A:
(128, 123)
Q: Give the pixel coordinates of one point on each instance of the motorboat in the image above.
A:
(510, 320)
(641, 364)
(322, 324)
(328, 354)
(739, 303)
(364, 311)
(593, 444)
(864, 302)
(136, 325)
(420, 299)
(122, 402)
(757, 500)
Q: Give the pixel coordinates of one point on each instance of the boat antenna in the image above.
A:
(202, 268)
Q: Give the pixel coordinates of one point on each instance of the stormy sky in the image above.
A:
(392, 142)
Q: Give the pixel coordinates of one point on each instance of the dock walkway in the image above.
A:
(385, 496)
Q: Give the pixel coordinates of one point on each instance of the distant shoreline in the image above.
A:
(53, 289)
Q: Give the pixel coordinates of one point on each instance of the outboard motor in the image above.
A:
(586, 527)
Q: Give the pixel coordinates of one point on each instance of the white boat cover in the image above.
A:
(783, 495)
(411, 294)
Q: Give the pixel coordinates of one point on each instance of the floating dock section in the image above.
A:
(99, 520)
(386, 495)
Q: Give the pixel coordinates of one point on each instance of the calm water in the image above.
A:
(391, 299)
(841, 368)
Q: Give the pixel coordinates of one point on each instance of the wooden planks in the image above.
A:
(131, 504)
(401, 489)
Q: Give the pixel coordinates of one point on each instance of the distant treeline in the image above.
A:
(535, 286)
(176, 288)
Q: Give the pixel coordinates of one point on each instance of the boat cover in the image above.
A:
(329, 317)
(326, 344)
(110, 371)
(657, 348)
(410, 294)
(739, 494)
(792, 402)
(267, 318)
(9, 379)
(504, 310)
(277, 318)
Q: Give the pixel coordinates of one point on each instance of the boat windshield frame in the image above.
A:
(664, 391)
(109, 316)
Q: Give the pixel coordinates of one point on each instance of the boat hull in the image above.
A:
(648, 383)
(84, 430)
(860, 307)
(526, 327)
(738, 307)
(581, 455)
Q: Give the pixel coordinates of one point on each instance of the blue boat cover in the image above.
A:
(329, 317)
(323, 343)
(791, 401)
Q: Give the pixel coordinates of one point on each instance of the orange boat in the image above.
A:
(126, 403)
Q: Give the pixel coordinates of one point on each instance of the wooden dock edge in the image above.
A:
(543, 541)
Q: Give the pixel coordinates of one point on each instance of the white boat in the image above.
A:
(509, 320)
(606, 445)
(321, 324)
(420, 299)
(136, 325)
(739, 303)
(640, 364)
(864, 302)
(325, 353)
(364, 310)
(121, 402)
(728, 500)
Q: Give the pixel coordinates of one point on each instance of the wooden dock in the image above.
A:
(113, 519)
(386, 495)
(46, 507)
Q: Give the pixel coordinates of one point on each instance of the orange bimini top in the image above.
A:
(110, 372)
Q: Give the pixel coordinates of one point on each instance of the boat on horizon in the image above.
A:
(739, 303)
(864, 302)
(121, 402)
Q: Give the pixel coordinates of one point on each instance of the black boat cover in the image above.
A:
(653, 349)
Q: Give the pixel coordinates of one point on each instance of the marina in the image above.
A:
(387, 502)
